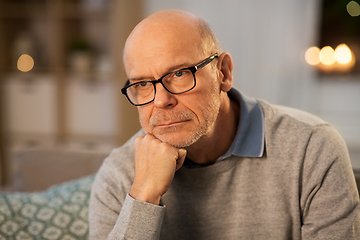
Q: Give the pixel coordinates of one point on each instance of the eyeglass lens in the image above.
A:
(174, 82)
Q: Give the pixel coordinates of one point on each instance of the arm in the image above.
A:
(329, 197)
(155, 164)
(113, 210)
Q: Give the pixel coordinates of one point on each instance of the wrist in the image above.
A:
(145, 196)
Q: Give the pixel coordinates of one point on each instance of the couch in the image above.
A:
(61, 212)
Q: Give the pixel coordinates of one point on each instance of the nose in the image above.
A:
(164, 99)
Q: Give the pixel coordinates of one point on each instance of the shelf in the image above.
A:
(47, 30)
(23, 11)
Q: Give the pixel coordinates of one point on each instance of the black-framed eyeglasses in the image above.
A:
(176, 82)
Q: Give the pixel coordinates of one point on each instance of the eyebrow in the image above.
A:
(171, 69)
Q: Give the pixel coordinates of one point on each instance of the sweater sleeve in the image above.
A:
(138, 220)
(329, 197)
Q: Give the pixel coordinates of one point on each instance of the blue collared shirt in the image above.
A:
(249, 139)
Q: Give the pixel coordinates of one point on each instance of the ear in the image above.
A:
(225, 66)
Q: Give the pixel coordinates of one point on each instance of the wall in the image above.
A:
(267, 40)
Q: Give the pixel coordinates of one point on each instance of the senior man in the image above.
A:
(210, 162)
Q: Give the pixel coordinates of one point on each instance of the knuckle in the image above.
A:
(150, 139)
(138, 142)
(147, 136)
(139, 139)
(164, 146)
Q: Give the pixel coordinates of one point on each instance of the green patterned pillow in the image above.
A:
(59, 213)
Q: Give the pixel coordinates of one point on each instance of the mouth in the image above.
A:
(171, 124)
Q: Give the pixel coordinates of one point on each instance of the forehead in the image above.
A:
(162, 45)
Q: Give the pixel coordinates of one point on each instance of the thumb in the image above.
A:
(181, 158)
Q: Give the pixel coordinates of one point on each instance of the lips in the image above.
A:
(169, 124)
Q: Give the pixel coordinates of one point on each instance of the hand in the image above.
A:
(155, 165)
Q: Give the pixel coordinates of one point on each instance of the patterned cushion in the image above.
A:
(59, 213)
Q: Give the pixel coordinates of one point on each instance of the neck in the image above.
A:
(208, 149)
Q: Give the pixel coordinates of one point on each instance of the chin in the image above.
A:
(179, 140)
(181, 136)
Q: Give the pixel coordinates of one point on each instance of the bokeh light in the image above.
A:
(353, 8)
(25, 63)
(327, 55)
(312, 55)
(343, 54)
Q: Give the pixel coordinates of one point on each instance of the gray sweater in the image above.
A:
(302, 188)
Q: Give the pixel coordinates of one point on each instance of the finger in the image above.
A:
(181, 158)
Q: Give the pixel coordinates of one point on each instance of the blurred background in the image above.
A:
(61, 110)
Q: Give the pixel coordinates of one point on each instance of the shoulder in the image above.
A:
(286, 120)
(295, 130)
(281, 114)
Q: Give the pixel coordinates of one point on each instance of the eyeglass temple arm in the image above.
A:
(206, 61)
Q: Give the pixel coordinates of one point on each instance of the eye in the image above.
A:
(143, 84)
(179, 73)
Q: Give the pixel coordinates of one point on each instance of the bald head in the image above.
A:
(170, 31)
(169, 18)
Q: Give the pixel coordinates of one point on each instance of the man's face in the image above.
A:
(180, 120)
